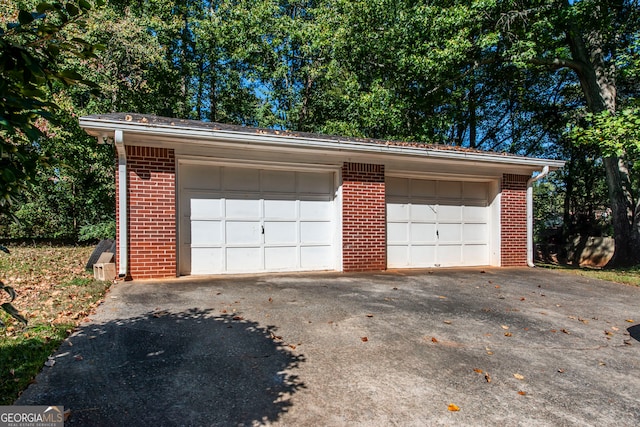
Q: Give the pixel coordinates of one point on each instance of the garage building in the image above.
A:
(199, 198)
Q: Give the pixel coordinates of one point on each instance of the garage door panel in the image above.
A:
(243, 232)
(423, 188)
(475, 191)
(242, 208)
(422, 233)
(397, 187)
(450, 233)
(315, 183)
(280, 209)
(243, 260)
(398, 211)
(397, 233)
(315, 257)
(241, 179)
(280, 258)
(423, 212)
(475, 213)
(450, 255)
(278, 181)
(475, 233)
(315, 232)
(397, 256)
(206, 232)
(449, 213)
(476, 254)
(205, 208)
(205, 259)
(280, 232)
(449, 189)
(423, 256)
(316, 209)
(201, 177)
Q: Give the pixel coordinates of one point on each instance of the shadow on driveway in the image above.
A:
(167, 368)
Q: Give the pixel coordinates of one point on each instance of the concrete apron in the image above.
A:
(503, 346)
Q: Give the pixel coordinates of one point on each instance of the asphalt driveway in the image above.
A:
(503, 346)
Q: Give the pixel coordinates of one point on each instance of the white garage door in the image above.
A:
(236, 220)
(437, 223)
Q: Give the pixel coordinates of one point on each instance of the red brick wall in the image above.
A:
(151, 212)
(364, 244)
(513, 219)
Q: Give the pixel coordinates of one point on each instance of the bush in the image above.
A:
(100, 231)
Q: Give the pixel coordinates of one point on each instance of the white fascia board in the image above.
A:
(105, 128)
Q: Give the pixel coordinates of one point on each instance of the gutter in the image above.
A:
(542, 174)
(123, 266)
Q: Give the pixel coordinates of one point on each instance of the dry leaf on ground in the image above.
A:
(453, 407)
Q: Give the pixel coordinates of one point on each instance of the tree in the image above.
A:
(587, 38)
(30, 54)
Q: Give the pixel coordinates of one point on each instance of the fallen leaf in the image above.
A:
(601, 363)
(78, 358)
(238, 318)
(508, 334)
(522, 393)
(442, 297)
(565, 331)
(554, 331)
(292, 347)
(629, 320)
(561, 371)
(364, 339)
(448, 322)
(369, 315)
(270, 299)
(608, 333)
(504, 326)
(615, 329)
(67, 414)
(487, 377)
(518, 376)
(522, 299)
(478, 370)
(453, 407)
(434, 340)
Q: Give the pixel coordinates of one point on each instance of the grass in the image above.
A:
(627, 276)
(55, 294)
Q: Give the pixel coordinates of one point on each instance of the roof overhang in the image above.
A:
(148, 131)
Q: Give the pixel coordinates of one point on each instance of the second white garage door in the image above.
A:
(236, 220)
(437, 223)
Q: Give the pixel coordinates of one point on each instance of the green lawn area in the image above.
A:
(627, 276)
(55, 293)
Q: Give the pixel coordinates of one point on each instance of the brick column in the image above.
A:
(364, 243)
(513, 220)
(151, 212)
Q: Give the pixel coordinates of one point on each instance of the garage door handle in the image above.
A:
(437, 234)
(263, 229)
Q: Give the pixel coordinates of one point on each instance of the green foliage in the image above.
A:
(31, 50)
(615, 134)
(100, 231)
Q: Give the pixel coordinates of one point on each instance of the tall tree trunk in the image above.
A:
(598, 85)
